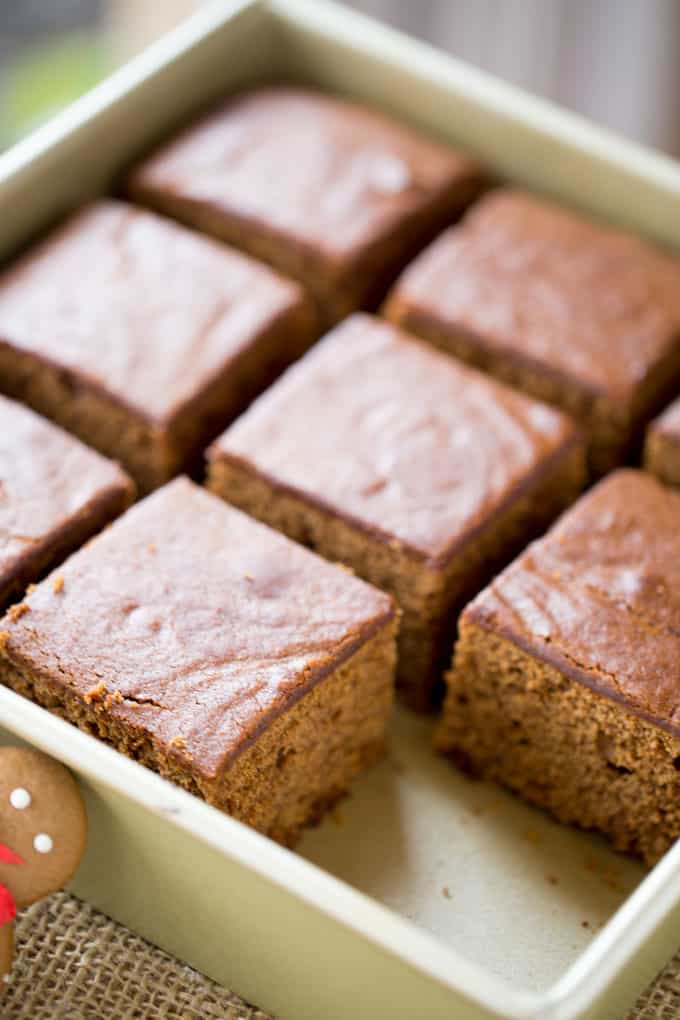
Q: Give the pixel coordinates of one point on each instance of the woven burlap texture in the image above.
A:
(75, 964)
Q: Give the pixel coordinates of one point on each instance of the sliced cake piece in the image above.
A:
(55, 493)
(566, 679)
(422, 475)
(216, 651)
(570, 311)
(143, 338)
(662, 445)
(329, 192)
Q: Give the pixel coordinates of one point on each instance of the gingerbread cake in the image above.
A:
(662, 445)
(329, 192)
(214, 650)
(572, 312)
(565, 685)
(54, 494)
(421, 474)
(143, 338)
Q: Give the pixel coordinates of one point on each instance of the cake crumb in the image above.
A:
(31, 588)
(4, 639)
(531, 836)
(344, 566)
(116, 698)
(58, 584)
(179, 742)
(152, 547)
(446, 892)
(609, 875)
(14, 613)
(248, 577)
(95, 693)
(491, 807)
(585, 924)
(552, 879)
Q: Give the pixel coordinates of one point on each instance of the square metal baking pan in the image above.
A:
(425, 895)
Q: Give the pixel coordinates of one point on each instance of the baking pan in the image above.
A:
(424, 894)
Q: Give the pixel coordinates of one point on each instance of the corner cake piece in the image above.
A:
(419, 473)
(337, 196)
(570, 311)
(217, 652)
(143, 338)
(662, 446)
(565, 685)
(54, 494)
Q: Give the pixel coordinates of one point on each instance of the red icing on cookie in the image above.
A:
(8, 908)
(8, 856)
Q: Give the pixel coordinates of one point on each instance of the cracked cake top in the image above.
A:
(324, 188)
(137, 307)
(49, 483)
(406, 443)
(192, 624)
(599, 596)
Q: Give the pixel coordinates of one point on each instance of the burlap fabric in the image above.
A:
(75, 964)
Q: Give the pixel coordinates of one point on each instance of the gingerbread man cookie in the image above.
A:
(43, 832)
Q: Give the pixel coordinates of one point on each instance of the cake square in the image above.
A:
(570, 311)
(662, 445)
(417, 472)
(566, 677)
(143, 338)
(54, 494)
(215, 651)
(329, 192)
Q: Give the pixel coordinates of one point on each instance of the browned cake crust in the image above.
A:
(662, 446)
(566, 677)
(335, 195)
(420, 474)
(580, 315)
(142, 338)
(54, 494)
(215, 651)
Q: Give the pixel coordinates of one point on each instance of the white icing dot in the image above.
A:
(544, 419)
(20, 798)
(390, 174)
(43, 843)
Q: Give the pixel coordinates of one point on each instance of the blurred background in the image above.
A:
(617, 61)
